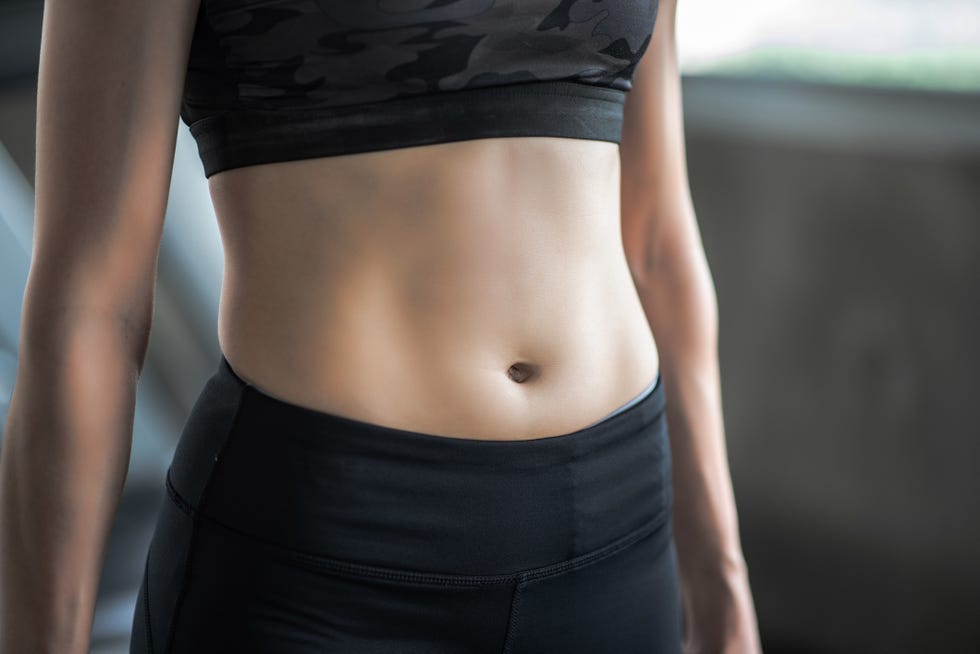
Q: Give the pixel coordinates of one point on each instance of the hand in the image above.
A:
(720, 614)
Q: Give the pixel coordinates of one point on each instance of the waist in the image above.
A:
(340, 493)
(484, 367)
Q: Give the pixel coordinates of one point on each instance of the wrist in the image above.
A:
(712, 565)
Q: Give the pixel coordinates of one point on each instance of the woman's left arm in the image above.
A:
(667, 259)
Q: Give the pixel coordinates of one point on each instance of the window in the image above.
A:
(896, 43)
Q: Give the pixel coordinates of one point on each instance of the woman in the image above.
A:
(439, 418)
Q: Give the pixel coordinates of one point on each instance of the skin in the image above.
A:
(500, 288)
(674, 282)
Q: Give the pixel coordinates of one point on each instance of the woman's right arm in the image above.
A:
(109, 88)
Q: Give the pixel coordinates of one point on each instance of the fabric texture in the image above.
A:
(288, 530)
(274, 80)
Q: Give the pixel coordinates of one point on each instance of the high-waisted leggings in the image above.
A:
(287, 530)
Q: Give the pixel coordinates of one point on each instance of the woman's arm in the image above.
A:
(667, 259)
(109, 86)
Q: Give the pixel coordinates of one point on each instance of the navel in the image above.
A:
(521, 371)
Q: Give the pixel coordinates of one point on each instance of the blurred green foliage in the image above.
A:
(946, 70)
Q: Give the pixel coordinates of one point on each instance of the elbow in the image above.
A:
(679, 299)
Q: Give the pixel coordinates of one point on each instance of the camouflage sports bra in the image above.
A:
(276, 80)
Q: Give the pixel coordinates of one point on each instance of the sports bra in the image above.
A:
(278, 80)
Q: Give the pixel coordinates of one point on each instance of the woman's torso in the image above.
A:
(400, 287)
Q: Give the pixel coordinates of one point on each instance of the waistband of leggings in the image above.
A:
(333, 488)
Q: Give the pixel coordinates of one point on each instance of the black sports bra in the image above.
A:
(277, 80)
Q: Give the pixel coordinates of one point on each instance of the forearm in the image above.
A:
(679, 300)
(64, 457)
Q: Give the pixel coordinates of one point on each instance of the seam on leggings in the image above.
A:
(195, 515)
(358, 570)
(576, 514)
(515, 603)
(146, 602)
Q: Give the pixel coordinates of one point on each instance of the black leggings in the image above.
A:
(289, 530)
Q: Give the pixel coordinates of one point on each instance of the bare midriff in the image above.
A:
(474, 289)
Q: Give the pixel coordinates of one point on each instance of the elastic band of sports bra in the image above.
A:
(242, 137)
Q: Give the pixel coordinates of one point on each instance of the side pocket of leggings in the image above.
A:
(668, 472)
(162, 580)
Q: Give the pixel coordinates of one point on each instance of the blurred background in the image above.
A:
(834, 158)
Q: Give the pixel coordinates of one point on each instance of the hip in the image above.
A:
(288, 529)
